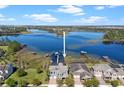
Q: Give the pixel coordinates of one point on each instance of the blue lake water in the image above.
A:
(91, 42)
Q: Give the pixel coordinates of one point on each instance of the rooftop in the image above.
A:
(101, 67)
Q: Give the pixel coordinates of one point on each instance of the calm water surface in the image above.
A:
(43, 41)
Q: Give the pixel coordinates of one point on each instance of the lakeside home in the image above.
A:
(80, 70)
(58, 71)
(57, 68)
(107, 72)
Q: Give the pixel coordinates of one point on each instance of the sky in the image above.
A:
(61, 15)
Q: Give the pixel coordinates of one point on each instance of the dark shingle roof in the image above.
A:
(75, 66)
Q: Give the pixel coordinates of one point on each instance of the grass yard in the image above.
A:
(32, 74)
(4, 48)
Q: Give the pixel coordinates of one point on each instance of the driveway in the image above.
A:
(122, 81)
(101, 81)
(77, 81)
(52, 82)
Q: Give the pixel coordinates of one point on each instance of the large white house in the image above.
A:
(58, 71)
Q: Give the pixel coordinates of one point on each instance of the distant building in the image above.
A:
(80, 70)
(6, 71)
(58, 71)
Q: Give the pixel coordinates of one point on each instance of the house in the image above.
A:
(120, 73)
(58, 71)
(107, 72)
(57, 68)
(6, 71)
(80, 70)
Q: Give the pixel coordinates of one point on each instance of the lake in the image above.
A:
(91, 42)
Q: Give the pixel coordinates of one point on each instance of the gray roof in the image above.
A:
(75, 66)
(59, 67)
(79, 68)
(119, 71)
(101, 67)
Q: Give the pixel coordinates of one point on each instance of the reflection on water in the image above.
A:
(43, 41)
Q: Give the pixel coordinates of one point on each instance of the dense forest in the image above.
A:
(114, 37)
(5, 30)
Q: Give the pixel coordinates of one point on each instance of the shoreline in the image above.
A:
(76, 55)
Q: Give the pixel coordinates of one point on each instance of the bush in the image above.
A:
(1, 83)
(107, 81)
(11, 82)
(59, 82)
(69, 81)
(115, 83)
(88, 83)
(21, 72)
(36, 82)
(91, 83)
(39, 70)
(22, 83)
(95, 82)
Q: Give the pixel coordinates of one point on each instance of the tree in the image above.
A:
(39, 70)
(22, 83)
(59, 82)
(13, 46)
(115, 83)
(69, 81)
(36, 82)
(11, 82)
(21, 72)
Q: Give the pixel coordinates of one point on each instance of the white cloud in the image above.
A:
(106, 6)
(94, 19)
(113, 6)
(1, 15)
(11, 19)
(71, 9)
(3, 18)
(3, 6)
(42, 17)
(100, 7)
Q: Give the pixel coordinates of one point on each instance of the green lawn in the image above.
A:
(32, 74)
(4, 48)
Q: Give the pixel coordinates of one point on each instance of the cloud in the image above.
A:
(3, 18)
(3, 6)
(42, 17)
(71, 9)
(94, 19)
(1, 15)
(100, 7)
(11, 19)
(113, 6)
(106, 6)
